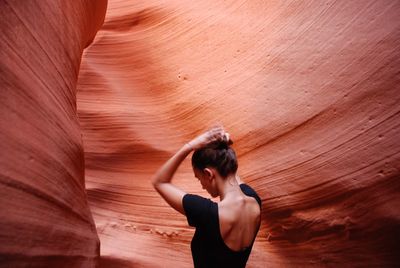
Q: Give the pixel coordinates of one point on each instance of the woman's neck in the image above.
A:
(228, 187)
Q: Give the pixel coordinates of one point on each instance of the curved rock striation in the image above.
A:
(44, 214)
(310, 93)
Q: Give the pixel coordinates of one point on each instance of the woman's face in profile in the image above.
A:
(201, 177)
(205, 181)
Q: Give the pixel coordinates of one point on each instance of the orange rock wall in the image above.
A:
(310, 93)
(44, 214)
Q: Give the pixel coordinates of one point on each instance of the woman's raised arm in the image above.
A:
(162, 179)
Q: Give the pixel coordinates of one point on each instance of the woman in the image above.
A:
(225, 231)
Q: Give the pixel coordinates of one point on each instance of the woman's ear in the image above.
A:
(209, 173)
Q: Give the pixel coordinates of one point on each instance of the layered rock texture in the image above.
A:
(309, 91)
(45, 220)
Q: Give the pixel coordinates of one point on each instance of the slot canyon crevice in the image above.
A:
(95, 96)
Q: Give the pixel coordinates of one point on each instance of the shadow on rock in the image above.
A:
(107, 261)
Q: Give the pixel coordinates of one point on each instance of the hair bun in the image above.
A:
(217, 154)
(221, 145)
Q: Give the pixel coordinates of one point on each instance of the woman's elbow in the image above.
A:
(154, 182)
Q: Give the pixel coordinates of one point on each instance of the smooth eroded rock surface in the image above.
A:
(310, 93)
(44, 214)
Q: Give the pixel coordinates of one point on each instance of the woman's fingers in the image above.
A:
(227, 137)
(216, 133)
(219, 134)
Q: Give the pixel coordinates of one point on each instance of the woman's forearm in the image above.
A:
(162, 179)
(167, 171)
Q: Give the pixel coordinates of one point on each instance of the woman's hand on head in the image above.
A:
(215, 134)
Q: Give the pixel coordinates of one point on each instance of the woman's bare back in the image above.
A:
(239, 220)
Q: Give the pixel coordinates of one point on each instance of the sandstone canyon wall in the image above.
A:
(45, 220)
(310, 93)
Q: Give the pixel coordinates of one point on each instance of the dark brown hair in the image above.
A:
(217, 155)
